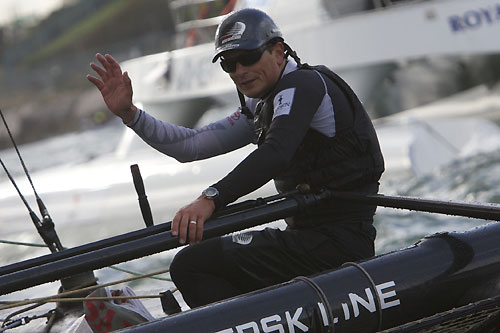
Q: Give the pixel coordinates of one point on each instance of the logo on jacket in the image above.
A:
(235, 32)
(242, 239)
(283, 102)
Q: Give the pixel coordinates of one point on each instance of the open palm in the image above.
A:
(115, 86)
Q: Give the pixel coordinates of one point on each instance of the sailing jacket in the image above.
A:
(310, 129)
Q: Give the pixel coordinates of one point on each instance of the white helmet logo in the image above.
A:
(234, 33)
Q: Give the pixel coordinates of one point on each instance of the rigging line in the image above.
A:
(22, 243)
(16, 187)
(95, 298)
(18, 153)
(15, 304)
(18, 312)
(51, 320)
(124, 270)
(45, 227)
(26, 320)
(57, 299)
(46, 230)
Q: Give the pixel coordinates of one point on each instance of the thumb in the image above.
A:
(127, 80)
(126, 77)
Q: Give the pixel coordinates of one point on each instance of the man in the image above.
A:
(310, 129)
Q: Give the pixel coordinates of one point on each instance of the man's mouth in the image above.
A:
(247, 82)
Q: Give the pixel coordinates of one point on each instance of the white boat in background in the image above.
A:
(420, 140)
(360, 39)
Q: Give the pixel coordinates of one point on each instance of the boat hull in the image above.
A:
(437, 274)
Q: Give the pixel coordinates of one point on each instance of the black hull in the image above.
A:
(439, 273)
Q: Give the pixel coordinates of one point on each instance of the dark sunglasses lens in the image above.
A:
(246, 59)
(228, 66)
(250, 58)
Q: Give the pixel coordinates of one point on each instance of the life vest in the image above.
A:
(350, 160)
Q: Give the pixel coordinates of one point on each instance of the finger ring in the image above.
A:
(193, 222)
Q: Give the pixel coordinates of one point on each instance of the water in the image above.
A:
(65, 150)
(473, 178)
(89, 192)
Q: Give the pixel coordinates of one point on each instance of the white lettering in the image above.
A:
(383, 296)
(294, 321)
(251, 325)
(369, 305)
(264, 322)
(347, 313)
(275, 322)
(323, 314)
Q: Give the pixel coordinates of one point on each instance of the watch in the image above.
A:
(210, 193)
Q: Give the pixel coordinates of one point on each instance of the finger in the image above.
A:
(98, 70)
(98, 83)
(104, 62)
(199, 230)
(115, 67)
(127, 80)
(192, 231)
(174, 228)
(183, 229)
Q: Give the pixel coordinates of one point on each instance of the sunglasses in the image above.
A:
(247, 58)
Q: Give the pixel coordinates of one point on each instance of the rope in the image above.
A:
(22, 243)
(48, 299)
(374, 290)
(138, 274)
(323, 299)
(51, 320)
(112, 267)
(25, 320)
(31, 307)
(110, 298)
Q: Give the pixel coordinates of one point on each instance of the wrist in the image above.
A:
(211, 194)
(129, 114)
(209, 201)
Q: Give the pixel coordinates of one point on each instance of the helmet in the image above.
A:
(246, 29)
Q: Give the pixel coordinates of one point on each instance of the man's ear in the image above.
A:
(279, 53)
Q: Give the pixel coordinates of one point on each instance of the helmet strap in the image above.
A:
(291, 53)
(244, 108)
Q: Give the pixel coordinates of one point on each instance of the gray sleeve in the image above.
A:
(186, 144)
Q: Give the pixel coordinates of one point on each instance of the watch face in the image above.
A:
(210, 192)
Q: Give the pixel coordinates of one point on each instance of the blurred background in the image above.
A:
(45, 51)
(437, 115)
(46, 47)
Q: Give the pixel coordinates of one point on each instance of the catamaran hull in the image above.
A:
(437, 274)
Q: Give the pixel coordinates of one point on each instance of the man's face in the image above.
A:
(258, 79)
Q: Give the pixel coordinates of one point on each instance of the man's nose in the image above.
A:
(239, 68)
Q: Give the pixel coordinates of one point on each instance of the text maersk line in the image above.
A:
(474, 19)
(289, 320)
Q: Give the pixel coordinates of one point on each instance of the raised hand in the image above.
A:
(115, 87)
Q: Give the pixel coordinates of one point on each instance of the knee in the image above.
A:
(179, 266)
(189, 262)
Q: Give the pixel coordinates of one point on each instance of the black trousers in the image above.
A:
(228, 266)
